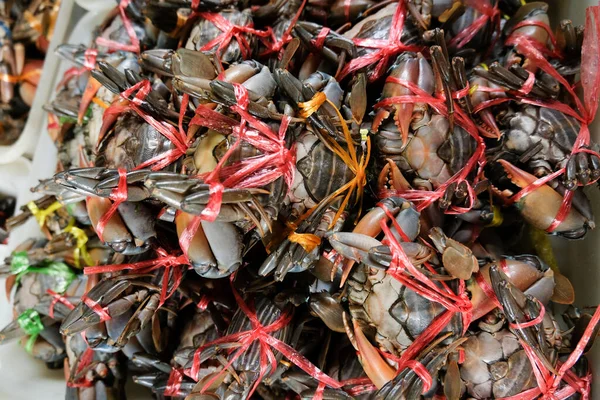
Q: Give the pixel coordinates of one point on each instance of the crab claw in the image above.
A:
(526, 273)
(457, 258)
(354, 246)
(540, 207)
(412, 68)
(379, 371)
(391, 177)
(514, 302)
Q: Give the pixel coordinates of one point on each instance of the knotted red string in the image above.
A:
(406, 273)
(267, 343)
(97, 308)
(488, 14)
(548, 384)
(164, 260)
(118, 196)
(230, 31)
(174, 382)
(385, 49)
(276, 161)
(113, 45)
(178, 138)
(277, 44)
(57, 298)
(590, 80)
(424, 197)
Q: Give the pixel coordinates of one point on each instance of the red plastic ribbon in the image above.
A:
(320, 40)
(384, 49)
(113, 45)
(95, 307)
(408, 275)
(203, 303)
(426, 198)
(230, 31)
(174, 382)
(275, 162)
(277, 45)
(164, 260)
(533, 322)
(57, 298)
(548, 383)
(422, 373)
(590, 80)
(488, 13)
(267, 342)
(178, 138)
(118, 196)
(85, 360)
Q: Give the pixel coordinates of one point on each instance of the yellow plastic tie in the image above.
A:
(364, 134)
(473, 89)
(523, 2)
(498, 218)
(484, 66)
(99, 102)
(41, 215)
(308, 108)
(80, 247)
(308, 241)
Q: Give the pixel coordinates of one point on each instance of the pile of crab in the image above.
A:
(26, 28)
(316, 199)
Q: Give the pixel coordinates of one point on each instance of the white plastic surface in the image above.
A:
(36, 122)
(96, 5)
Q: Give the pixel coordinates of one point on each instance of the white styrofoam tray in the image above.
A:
(26, 143)
(21, 376)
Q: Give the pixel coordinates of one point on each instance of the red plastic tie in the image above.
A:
(113, 45)
(533, 322)
(320, 40)
(174, 382)
(422, 373)
(266, 341)
(57, 298)
(95, 307)
(118, 196)
(384, 49)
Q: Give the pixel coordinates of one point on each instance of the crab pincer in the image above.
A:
(413, 69)
(540, 206)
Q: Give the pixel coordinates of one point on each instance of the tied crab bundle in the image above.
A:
(25, 33)
(315, 200)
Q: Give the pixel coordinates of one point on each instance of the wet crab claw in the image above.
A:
(354, 246)
(519, 308)
(181, 62)
(457, 259)
(581, 169)
(379, 371)
(82, 315)
(540, 206)
(391, 177)
(412, 68)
